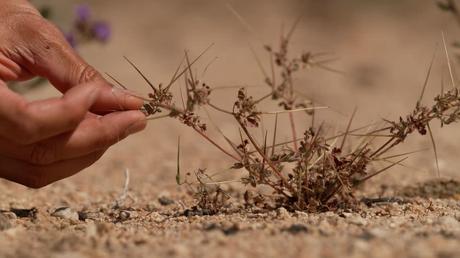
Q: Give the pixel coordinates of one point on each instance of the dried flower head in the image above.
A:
(245, 109)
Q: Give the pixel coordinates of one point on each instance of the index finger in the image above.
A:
(26, 123)
(45, 52)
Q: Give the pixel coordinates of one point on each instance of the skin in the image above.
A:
(45, 141)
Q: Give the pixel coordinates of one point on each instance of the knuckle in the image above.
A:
(86, 73)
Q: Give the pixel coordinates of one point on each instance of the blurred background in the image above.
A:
(383, 49)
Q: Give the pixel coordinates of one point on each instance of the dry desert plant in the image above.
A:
(313, 172)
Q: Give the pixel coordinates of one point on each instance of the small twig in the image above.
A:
(269, 162)
(291, 110)
(426, 79)
(124, 194)
(293, 130)
(220, 109)
(348, 128)
(380, 171)
(448, 61)
(141, 74)
(274, 135)
(116, 81)
(435, 151)
(186, 68)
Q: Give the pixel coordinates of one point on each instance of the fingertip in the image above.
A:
(139, 122)
(133, 102)
(112, 99)
(127, 99)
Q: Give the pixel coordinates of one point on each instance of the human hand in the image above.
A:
(45, 141)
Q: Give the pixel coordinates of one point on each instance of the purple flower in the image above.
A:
(83, 13)
(101, 31)
(71, 39)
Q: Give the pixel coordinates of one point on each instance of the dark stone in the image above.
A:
(296, 229)
(195, 211)
(231, 230)
(25, 213)
(165, 201)
(228, 231)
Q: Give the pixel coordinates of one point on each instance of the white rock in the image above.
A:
(282, 213)
(347, 214)
(378, 232)
(10, 215)
(65, 213)
(4, 222)
(301, 214)
(357, 220)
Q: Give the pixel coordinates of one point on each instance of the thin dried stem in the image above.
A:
(380, 171)
(293, 130)
(117, 82)
(274, 135)
(426, 79)
(435, 150)
(348, 128)
(448, 61)
(292, 110)
(269, 162)
(141, 74)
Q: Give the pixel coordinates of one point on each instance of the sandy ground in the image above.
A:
(384, 48)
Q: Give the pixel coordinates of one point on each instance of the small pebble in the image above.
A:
(197, 212)
(125, 215)
(151, 207)
(301, 214)
(165, 201)
(357, 220)
(91, 215)
(156, 217)
(346, 214)
(25, 213)
(228, 228)
(65, 213)
(282, 213)
(377, 232)
(10, 215)
(296, 229)
(4, 222)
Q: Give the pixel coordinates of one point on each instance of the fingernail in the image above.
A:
(130, 101)
(134, 102)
